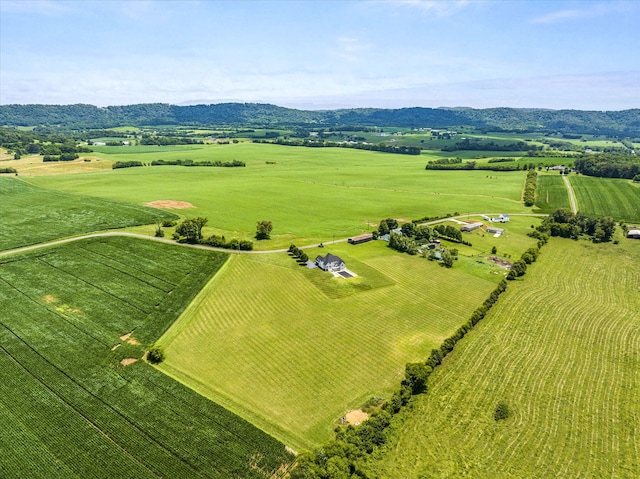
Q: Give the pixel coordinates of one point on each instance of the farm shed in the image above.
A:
(330, 263)
(496, 231)
(360, 239)
(471, 226)
(635, 234)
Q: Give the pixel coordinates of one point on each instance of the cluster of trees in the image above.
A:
(450, 232)
(190, 231)
(263, 229)
(8, 170)
(400, 149)
(530, 184)
(343, 457)
(479, 144)
(221, 242)
(126, 164)
(62, 157)
(474, 165)
(218, 163)
(609, 165)
(519, 267)
(168, 140)
(566, 224)
(297, 253)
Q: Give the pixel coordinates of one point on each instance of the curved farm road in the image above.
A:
(205, 247)
(149, 238)
(572, 196)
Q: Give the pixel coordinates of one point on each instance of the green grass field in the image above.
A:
(293, 349)
(607, 197)
(35, 215)
(562, 349)
(69, 409)
(551, 193)
(311, 195)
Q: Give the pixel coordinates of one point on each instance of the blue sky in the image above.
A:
(323, 54)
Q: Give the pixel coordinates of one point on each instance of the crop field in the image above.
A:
(562, 350)
(293, 349)
(33, 215)
(607, 197)
(551, 193)
(310, 194)
(69, 408)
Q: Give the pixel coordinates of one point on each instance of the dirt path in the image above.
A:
(572, 196)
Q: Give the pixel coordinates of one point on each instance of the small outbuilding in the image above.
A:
(330, 263)
(471, 226)
(635, 234)
(360, 239)
(496, 231)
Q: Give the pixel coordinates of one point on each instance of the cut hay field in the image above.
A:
(551, 193)
(33, 215)
(562, 349)
(309, 194)
(293, 349)
(613, 197)
(70, 409)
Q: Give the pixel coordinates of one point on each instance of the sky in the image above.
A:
(323, 54)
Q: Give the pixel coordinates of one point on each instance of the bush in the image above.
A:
(502, 411)
(155, 355)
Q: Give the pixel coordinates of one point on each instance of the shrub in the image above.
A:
(502, 411)
(155, 355)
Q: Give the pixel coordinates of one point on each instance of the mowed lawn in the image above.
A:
(310, 194)
(70, 409)
(34, 215)
(613, 197)
(562, 349)
(293, 349)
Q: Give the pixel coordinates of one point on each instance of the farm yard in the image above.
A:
(561, 348)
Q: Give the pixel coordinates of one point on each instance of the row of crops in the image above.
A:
(68, 408)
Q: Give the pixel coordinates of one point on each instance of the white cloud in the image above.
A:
(41, 7)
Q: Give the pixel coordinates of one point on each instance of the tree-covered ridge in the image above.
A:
(625, 123)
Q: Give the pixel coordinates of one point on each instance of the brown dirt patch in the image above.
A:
(115, 347)
(356, 416)
(127, 361)
(134, 342)
(124, 337)
(500, 262)
(169, 204)
(47, 298)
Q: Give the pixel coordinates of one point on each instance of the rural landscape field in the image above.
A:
(266, 360)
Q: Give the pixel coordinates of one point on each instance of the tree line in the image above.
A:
(401, 149)
(608, 165)
(529, 196)
(566, 224)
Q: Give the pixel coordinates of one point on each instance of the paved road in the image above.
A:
(572, 196)
(205, 247)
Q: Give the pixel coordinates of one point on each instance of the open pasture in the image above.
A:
(70, 409)
(33, 215)
(561, 348)
(310, 194)
(32, 165)
(293, 349)
(551, 193)
(613, 197)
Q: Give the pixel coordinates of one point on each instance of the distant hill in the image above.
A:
(81, 116)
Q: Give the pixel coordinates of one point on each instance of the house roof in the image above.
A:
(329, 258)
